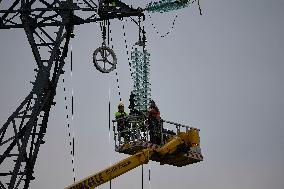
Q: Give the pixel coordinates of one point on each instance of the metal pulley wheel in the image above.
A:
(104, 59)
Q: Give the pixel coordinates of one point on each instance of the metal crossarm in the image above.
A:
(49, 13)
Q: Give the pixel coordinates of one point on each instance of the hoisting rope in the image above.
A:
(130, 66)
(142, 177)
(72, 115)
(109, 118)
(116, 72)
(199, 7)
(126, 46)
(109, 124)
(149, 171)
(71, 139)
(129, 63)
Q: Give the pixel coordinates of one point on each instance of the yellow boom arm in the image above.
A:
(136, 160)
(113, 171)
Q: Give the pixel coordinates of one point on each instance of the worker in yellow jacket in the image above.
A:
(122, 124)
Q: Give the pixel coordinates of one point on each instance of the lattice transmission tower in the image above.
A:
(48, 25)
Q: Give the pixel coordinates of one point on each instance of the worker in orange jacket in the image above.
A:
(154, 123)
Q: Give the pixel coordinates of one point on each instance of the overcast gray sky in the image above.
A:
(221, 72)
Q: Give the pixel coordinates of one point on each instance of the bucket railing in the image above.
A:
(137, 128)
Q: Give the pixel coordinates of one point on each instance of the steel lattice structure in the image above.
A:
(48, 26)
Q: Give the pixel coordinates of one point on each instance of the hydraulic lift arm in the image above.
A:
(142, 157)
(113, 171)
